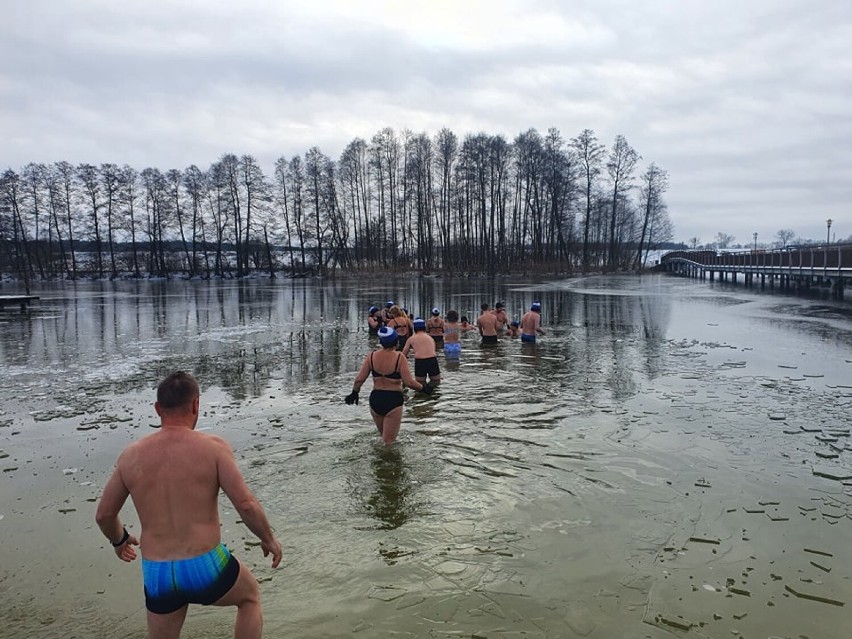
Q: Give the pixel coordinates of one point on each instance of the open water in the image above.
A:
(672, 455)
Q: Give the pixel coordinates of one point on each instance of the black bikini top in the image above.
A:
(397, 326)
(394, 375)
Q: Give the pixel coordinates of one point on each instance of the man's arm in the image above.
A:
(479, 324)
(407, 377)
(250, 510)
(113, 498)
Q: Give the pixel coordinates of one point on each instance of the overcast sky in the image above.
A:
(746, 103)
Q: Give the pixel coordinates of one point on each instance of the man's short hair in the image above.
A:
(177, 390)
(484, 306)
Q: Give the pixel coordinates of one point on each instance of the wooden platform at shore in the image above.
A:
(17, 300)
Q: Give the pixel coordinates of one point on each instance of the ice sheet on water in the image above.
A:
(116, 368)
(228, 333)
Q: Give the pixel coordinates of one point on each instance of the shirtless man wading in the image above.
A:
(487, 324)
(174, 477)
(531, 324)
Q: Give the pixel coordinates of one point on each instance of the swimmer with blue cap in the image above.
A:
(435, 327)
(425, 357)
(374, 321)
(514, 329)
(389, 370)
(531, 324)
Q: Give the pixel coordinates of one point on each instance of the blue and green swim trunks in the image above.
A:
(170, 585)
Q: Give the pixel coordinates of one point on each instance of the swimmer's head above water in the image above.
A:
(419, 324)
(388, 337)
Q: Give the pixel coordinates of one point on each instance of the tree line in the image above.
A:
(400, 201)
(783, 239)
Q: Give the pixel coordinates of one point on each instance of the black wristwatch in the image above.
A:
(123, 541)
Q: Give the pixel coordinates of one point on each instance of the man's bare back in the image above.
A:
(174, 478)
(422, 345)
(179, 523)
(487, 323)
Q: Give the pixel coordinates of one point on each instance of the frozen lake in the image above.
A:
(671, 454)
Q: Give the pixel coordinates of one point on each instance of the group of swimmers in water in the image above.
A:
(399, 332)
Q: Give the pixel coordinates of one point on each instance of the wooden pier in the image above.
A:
(820, 266)
(17, 300)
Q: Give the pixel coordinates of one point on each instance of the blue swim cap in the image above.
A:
(536, 306)
(388, 336)
(516, 323)
(389, 304)
(372, 310)
(419, 324)
(436, 311)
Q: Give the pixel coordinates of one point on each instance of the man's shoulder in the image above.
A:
(162, 439)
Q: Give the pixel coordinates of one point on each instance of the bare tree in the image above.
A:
(620, 165)
(446, 153)
(784, 236)
(317, 184)
(110, 176)
(196, 185)
(55, 206)
(723, 240)
(130, 224)
(11, 192)
(65, 173)
(385, 154)
(655, 182)
(255, 191)
(589, 153)
(32, 183)
(353, 173)
(89, 179)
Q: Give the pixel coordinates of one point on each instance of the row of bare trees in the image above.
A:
(401, 201)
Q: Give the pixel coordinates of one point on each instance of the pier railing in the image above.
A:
(828, 265)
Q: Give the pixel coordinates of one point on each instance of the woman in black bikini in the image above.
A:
(401, 323)
(390, 371)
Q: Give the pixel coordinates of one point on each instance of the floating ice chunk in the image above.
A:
(69, 471)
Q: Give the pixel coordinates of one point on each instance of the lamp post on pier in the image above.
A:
(828, 230)
(755, 240)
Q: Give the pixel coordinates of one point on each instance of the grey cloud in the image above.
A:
(744, 103)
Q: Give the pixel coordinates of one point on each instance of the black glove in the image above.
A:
(351, 398)
(427, 388)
